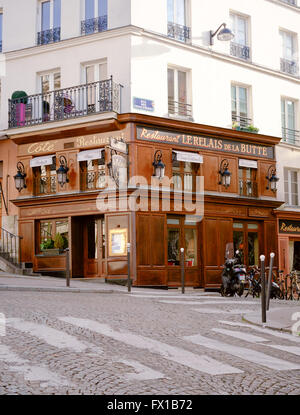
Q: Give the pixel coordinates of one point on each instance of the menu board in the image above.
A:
(118, 242)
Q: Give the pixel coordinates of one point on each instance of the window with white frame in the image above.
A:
(93, 74)
(178, 93)
(50, 22)
(291, 187)
(94, 16)
(177, 20)
(240, 105)
(239, 47)
(45, 104)
(288, 60)
(288, 121)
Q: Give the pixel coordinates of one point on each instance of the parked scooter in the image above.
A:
(233, 275)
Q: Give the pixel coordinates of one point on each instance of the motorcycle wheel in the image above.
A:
(225, 293)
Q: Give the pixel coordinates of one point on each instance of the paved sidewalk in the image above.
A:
(277, 318)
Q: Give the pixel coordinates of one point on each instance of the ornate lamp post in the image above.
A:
(225, 175)
(62, 172)
(20, 177)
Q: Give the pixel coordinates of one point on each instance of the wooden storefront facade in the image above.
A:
(288, 240)
(242, 213)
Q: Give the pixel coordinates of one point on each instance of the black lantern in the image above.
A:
(159, 167)
(223, 34)
(20, 177)
(225, 175)
(272, 179)
(62, 172)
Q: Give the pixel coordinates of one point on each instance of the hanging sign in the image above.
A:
(118, 145)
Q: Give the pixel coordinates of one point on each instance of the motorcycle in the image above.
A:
(233, 275)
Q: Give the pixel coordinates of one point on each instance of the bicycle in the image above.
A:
(254, 287)
(295, 285)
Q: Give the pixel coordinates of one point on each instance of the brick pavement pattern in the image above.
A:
(69, 343)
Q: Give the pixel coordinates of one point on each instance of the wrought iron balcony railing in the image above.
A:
(92, 180)
(48, 36)
(290, 136)
(179, 109)
(98, 24)
(0, 46)
(61, 104)
(179, 32)
(288, 66)
(241, 120)
(248, 188)
(240, 51)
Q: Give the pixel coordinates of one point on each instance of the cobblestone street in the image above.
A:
(149, 342)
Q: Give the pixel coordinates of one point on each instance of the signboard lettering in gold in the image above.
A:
(208, 143)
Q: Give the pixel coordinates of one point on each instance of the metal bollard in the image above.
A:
(67, 267)
(263, 288)
(182, 269)
(128, 268)
(272, 255)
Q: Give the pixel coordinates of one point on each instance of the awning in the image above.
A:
(42, 161)
(252, 164)
(90, 154)
(188, 157)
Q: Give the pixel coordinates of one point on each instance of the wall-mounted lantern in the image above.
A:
(159, 167)
(20, 177)
(62, 172)
(225, 175)
(272, 179)
(223, 34)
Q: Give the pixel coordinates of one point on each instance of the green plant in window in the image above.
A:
(47, 244)
(253, 129)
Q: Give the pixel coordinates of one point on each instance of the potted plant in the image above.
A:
(20, 100)
(47, 247)
(60, 242)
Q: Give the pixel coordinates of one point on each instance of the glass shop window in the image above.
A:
(54, 233)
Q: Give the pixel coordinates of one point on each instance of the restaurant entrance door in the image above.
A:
(94, 246)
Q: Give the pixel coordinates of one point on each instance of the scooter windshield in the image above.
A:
(229, 251)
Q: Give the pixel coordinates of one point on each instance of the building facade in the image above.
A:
(135, 71)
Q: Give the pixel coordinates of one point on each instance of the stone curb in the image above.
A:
(62, 289)
(267, 326)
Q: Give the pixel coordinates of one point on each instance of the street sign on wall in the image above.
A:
(143, 104)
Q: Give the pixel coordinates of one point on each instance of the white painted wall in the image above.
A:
(139, 59)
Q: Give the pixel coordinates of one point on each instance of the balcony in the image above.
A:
(48, 36)
(290, 136)
(179, 32)
(179, 109)
(98, 24)
(248, 188)
(288, 66)
(240, 51)
(62, 104)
